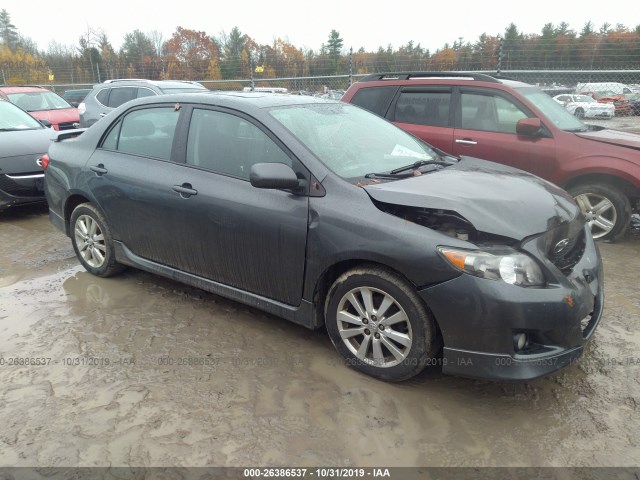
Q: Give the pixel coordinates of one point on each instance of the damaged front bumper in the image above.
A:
(479, 318)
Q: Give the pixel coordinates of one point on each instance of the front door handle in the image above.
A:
(467, 142)
(103, 114)
(185, 190)
(99, 169)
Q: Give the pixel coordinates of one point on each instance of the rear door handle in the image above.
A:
(185, 190)
(467, 142)
(103, 114)
(99, 169)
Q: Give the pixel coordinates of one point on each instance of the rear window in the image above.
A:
(374, 99)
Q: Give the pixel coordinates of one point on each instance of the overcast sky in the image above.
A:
(307, 24)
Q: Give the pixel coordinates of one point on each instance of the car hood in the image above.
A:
(56, 117)
(613, 137)
(494, 198)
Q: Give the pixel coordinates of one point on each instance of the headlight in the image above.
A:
(511, 267)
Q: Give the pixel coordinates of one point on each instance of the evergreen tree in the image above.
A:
(8, 32)
(334, 47)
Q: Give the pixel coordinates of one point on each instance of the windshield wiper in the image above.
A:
(418, 164)
(387, 175)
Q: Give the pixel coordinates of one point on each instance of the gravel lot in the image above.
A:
(139, 370)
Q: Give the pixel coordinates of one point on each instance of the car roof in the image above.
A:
(439, 78)
(142, 81)
(23, 89)
(240, 99)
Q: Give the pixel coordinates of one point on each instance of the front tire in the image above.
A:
(379, 325)
(606, 209)
(579, 113)
(92, 241)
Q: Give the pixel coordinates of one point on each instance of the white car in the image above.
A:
(584, 106)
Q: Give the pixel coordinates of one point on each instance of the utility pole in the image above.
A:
(500, 55)
(350, 66)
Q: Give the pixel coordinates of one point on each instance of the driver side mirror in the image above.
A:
(273, 176)
(528, 126)
(45, 123)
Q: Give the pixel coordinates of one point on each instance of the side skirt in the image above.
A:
(302, 314)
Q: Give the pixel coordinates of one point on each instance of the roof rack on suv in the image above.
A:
(126, 80)
(410, 75)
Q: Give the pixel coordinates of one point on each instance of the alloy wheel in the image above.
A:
(599, 211)
(374, 327)
(90, 241)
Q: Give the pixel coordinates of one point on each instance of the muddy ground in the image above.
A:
(139, 370)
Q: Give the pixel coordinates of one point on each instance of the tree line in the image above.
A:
(195, 55)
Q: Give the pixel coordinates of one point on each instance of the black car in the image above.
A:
(23, 140)
(325, 214)
(75, 97)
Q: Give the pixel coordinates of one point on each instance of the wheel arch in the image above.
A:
(70, 204)
(626, 187)
(333, 272)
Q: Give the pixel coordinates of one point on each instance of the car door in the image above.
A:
(427, 113)
(250, 238)
(486, 128)
(131, 176)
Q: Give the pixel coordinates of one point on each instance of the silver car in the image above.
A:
(112, 93)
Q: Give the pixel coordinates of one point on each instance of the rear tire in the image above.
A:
(606, 208)
(92, 241)
(379, 325)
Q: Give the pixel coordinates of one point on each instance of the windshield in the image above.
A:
(12, 118)
(555, 113)
(36, 101)
(584, 99)
(350, 141)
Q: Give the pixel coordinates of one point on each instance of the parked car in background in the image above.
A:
(75, 97)
(325, 214)
(634, 100)
(585, 106)
(23, 140)
(515, 124)
(613, 88)
(43, 104)
(106, 96)
(622, 106)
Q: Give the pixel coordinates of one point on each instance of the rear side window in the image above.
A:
(121, 95)
(374, 99)
(145, 92)
(148, 132)
(103, 96)
(424, 108)
(229, 144)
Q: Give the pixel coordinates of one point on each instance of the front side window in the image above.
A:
(148, 132)
(490, 113)
(423, 108)
(350, 141)
(553, 111)
(228, 144)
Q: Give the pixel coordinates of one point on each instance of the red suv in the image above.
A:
(515, 124)
(43, 104)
